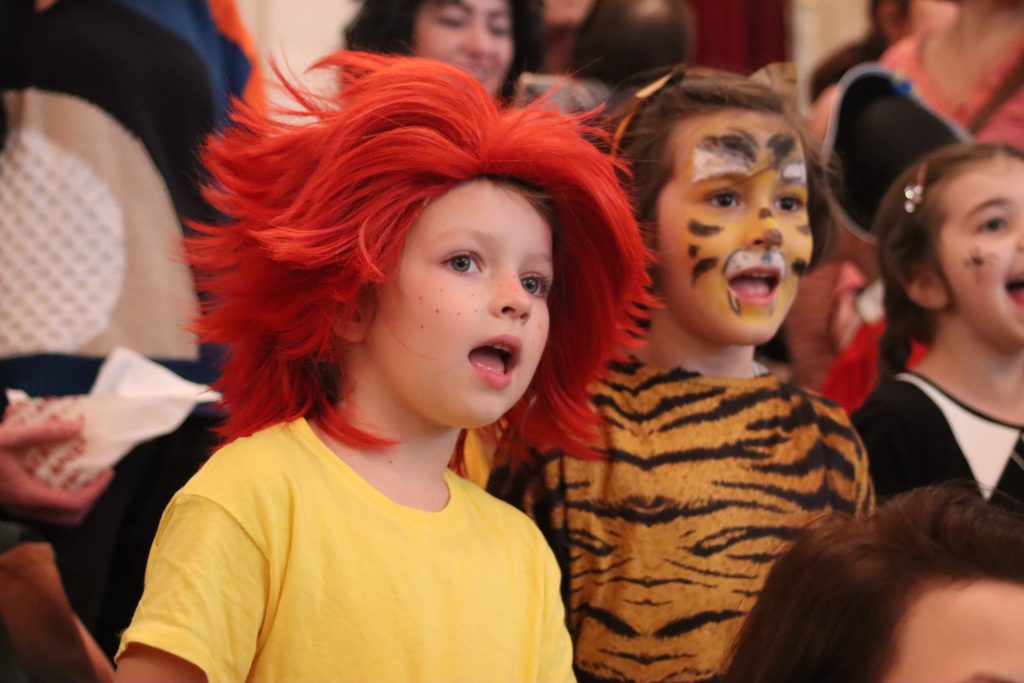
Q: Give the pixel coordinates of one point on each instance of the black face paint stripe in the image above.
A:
(781, 147)
(799, 267)
(701, 230)
(740, 142)
(765, 213)
(804, 229)
(693, 250)
(703, 266)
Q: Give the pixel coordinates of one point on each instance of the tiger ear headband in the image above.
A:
(779, 76)
(641, 96)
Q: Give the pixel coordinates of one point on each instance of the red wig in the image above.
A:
(317, 209)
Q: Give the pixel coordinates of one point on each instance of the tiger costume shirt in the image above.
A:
(665, 543)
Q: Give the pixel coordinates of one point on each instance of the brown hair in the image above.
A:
(646, 141)
(906, 241)
(832, 604)
(622, 38)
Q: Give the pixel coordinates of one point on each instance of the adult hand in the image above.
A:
(29, 498)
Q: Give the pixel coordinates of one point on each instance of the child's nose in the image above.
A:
(510, 299)
(478, 39)
(765, 235)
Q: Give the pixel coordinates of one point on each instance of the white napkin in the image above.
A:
(133, 400)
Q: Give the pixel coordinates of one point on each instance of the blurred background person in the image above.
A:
(620, 44)
(495, 40)
(107, 104)
(891, 21)
(562, 22)
(973, 70)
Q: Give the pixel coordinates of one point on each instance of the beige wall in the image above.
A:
(297, 30)
(820, 26)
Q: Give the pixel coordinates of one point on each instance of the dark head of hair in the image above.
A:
(623, 38)
(386, 26)
(645, 130)
(906, 242)
(832, 604)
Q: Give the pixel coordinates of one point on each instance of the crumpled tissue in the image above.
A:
(132, 400)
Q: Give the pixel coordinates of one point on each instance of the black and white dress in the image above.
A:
(916, 434)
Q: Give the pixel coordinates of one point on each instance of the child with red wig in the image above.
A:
(393, 263)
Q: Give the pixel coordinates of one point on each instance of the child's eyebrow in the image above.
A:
(991, 678)
(485, 239)
(781, 147)
(995, 202)
(730, 155)
(735, 143)
(458, 4)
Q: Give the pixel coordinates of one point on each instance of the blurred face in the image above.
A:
(459, 331)
(733, 231)
(921, 16)
(566, 13)
(981, 254)
(474, 35)
(931, 16)
(964, 633)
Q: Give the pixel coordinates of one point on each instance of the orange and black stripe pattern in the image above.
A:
(664, 544)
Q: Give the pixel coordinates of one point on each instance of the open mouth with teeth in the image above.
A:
(753, 287)
(495, 359)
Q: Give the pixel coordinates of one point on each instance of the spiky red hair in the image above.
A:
(317, 211)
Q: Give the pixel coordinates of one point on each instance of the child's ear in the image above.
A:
(353, 330)
(927, 289)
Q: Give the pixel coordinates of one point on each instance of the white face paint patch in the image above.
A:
(794, 173)
(716, 163)
(753, 259)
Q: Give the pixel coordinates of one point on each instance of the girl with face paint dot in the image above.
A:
(706, 465)
(951, 244)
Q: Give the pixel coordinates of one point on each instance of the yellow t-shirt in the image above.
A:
(277, 562)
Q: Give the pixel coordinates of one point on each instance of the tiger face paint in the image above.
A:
(733, 231)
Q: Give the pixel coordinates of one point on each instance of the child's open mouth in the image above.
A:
(1015, 288)
(495, 361)
(754, 286)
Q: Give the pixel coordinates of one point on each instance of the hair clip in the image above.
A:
(913, 194)
(639, 97)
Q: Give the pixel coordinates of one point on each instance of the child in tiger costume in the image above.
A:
(707, 464)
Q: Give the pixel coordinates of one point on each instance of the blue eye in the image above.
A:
(538, 285)
(463, 263)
